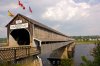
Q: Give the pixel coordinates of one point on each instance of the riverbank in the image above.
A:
(85, 42)
(3, 44)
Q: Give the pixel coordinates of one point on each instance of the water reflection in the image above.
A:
(82, 50)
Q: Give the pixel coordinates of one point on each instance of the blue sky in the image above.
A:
(71, 17)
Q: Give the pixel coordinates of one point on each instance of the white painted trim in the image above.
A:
(19, 26)
(40, 61)
(37, 40)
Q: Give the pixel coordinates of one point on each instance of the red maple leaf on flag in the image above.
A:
(20, 4)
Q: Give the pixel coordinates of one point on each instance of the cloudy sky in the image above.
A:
(71, 17)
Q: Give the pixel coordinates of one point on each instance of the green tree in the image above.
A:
(86, 62)
(96, 54)
(66, 62)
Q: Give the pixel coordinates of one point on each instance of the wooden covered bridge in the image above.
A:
(29, 40)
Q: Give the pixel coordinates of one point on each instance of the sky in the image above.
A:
(71, 17)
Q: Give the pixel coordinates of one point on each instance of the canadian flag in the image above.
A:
(20, 4)
(30, 9)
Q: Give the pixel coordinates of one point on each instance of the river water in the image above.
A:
(82, 50)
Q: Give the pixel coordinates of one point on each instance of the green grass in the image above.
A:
(3, 40)
(6, 64)
(85, 42)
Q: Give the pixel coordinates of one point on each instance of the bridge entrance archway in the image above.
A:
(21, 36)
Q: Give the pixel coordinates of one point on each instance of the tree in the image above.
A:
(66, 62)
(86, 62)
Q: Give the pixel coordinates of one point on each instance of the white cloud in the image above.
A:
(3, 32)
(84, 5)
(66, 10)
(9, 6)
(57, 27)
(85, 14)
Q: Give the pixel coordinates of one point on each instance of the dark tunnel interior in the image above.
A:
(21, 36)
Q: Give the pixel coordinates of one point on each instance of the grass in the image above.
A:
(3, 40)
(85, 42)
(7, 64)
(3, 44)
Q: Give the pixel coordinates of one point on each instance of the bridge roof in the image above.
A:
(37, 23)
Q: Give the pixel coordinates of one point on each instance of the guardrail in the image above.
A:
(14, 53)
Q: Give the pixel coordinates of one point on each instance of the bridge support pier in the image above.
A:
(62, 53)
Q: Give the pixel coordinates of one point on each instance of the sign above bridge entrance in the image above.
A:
(18, 21)
(19, 26)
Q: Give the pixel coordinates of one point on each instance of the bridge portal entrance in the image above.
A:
(21, 36)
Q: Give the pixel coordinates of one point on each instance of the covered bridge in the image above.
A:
(22, 30)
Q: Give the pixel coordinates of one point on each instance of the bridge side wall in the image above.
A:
(47, 35)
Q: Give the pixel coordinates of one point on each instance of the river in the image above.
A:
(82, 50)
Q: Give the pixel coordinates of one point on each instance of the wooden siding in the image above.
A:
(47, 35)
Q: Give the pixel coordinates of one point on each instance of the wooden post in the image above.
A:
(29, 51)
(26, 51)
(15, 61)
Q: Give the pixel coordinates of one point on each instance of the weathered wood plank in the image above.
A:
(13, 53)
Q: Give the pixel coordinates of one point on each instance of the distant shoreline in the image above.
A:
(3, 44)
(85, 42)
